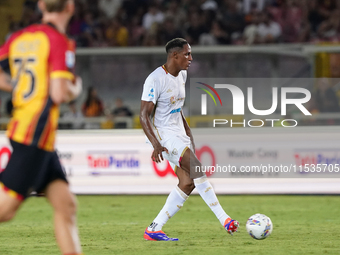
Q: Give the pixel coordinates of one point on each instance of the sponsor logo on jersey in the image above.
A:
(176, 110)
(173, 100)
(70, 59)
(152, 93)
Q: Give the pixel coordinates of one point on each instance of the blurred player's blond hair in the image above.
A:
(55, 5)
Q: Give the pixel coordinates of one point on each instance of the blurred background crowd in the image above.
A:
(107, 23)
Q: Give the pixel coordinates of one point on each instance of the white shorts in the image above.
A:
(176, 147)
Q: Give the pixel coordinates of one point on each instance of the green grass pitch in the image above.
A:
(115, 225)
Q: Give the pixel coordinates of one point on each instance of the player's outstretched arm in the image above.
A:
(63, 90)
(188, 130)
(5, 81)
(146, 110)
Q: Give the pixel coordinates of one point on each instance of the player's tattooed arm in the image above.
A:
(146, 110)
(5, 81)
(188, 130)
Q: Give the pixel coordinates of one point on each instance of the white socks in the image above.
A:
(172, 205)
(207, 192)
(177, 198)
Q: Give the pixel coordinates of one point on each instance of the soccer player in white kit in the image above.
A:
(169, 133)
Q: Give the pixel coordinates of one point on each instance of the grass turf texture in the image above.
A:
(115, 225)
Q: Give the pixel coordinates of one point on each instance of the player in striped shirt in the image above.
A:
(39, 61)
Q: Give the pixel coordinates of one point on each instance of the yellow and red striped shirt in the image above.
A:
(33, 56)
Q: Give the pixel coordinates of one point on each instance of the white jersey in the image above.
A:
(167, 92)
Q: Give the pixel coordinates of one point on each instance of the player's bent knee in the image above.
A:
(8, 207)
(6, 215)
(68, 207)
(187, 186)
(61, 199)
(9, 216)
(71, 206)
(190, 185)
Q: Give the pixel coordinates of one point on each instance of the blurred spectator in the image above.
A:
(249, 5)
(209, 8)
(217, 35)
(250, 33)
(93, 106)
(136, 31)
(233, 20)
(269, 31)
(109, 7)
(154, 15)
(191, 6)
(133, 8)
(319, 11)
(122, 115)
(305, 32)
(330, 28)
(314, 16)
(73, 119)
(176, 13)
(75, 25)
(292, 20)
(117, 34)
(195, 29)
(30, 14)
(208, 17)
(87, 29)
(99, 38)
(209, 5)
(121, 110)
(101, 23)
(152, 36)
(325, 97)
(169, 31)
(326, 7)
(13, 27)
(150, 40)
(276, 10)
(251, 15)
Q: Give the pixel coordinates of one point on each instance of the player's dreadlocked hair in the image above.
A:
(55, 5)
(175, 43)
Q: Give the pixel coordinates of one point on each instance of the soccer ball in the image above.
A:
(259, 226)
